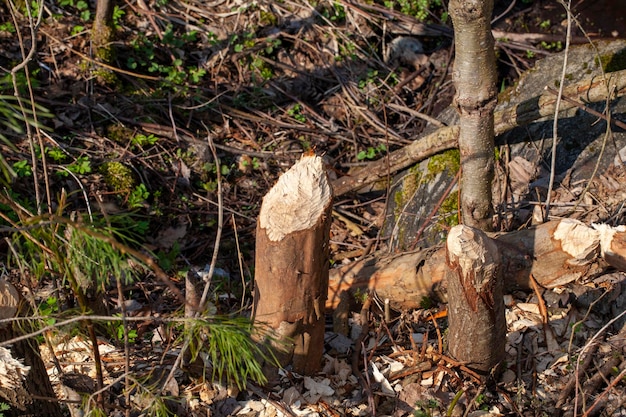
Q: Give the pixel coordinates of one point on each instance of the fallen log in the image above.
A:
(555, 253)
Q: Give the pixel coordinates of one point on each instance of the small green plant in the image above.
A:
(425, 408)
(49, 308)
(371, 152)
(22, 168)
(138, 196)
(4, 407)
(81, 6)
(230, 345)
(118, 14)
(240, 42)
(132, 334)
(336, 13)
(142, 140)
(481, 402)
(296, 112)
(8, 27)
(557, 46)
(545, 24)
(167, 259)
(176, 74)
(420, 9)
(82, 166)
(370, 78)
(347, 49)
(56, 154)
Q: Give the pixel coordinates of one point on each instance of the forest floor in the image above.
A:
(257, 84)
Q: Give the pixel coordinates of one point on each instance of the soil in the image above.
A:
(203, 107)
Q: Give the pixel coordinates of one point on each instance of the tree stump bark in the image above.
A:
(477, 326)
(475, 80)
(291, 265)
(24, 384)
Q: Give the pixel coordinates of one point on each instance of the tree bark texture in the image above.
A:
(102, 31)
(291, 266)
(26, 387)
(475, 79)
(555, 253)
(477, 326)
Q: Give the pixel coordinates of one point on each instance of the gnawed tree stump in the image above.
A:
(477, 326)
(24, 382)
(555, 253)
(291, 265)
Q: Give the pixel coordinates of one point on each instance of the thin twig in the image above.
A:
(555, 135)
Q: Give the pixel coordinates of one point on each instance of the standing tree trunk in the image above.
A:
(102, 31)
(476, 95)
(476, 309)
(477, 332)
(291, 265)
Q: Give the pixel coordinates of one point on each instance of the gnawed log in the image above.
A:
(477, 330)
(291, 266)
(555, 253)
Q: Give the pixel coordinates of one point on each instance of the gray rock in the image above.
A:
(417, 192)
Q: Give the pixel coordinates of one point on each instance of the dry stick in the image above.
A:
(548, 333)
(27, 58)
(588, 109)
(555, 137)
(358, 347)
(101, 64)
(504, 120)
(240, 259)
(590, 343)
(567, 390)
(122, 305)
(617, 379)
(220, 224)
(602, 149)
(593, 383)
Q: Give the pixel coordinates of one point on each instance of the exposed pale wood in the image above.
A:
(477, 327)
(556, 253)
(291, 267)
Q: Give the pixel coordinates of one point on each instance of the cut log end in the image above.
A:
(297, 200)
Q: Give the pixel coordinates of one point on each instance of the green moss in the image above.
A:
(106, 77)
(119, 134)
(268, 18)
(449, 210)
(118, 176)
(449, 160)
(612, 62)
(410, 183)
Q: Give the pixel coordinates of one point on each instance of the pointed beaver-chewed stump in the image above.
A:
(291, 265)
(477, 326)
